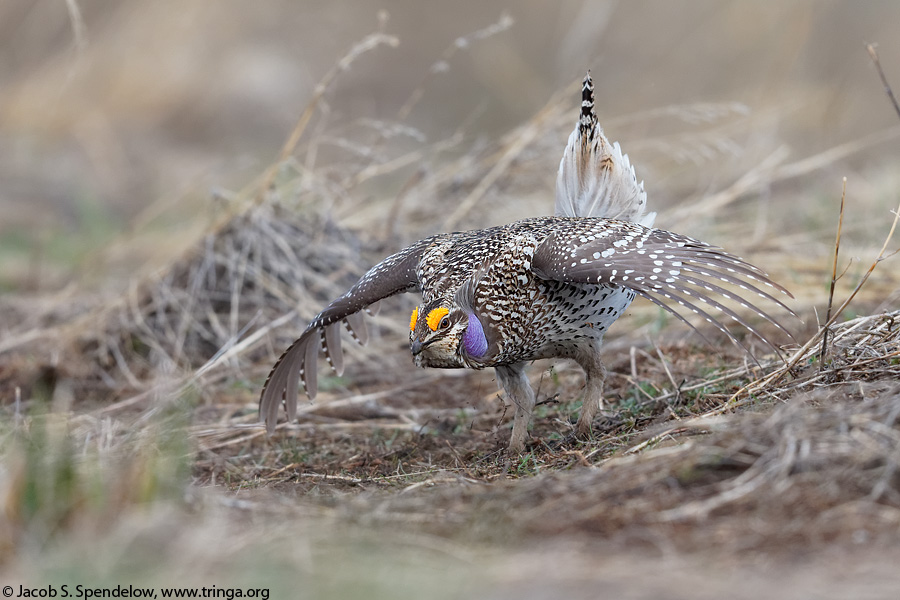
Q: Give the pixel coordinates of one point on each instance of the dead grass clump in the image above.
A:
(865, 348)
(254, 279)
(258, 269)
(862, 349)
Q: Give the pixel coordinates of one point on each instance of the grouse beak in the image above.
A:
(418, 345)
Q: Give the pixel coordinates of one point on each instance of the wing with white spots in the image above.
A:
(393, 275)
(669, 269)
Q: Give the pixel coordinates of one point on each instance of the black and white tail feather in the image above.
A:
(595, 179)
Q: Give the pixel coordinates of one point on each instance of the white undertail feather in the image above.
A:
(595, 179)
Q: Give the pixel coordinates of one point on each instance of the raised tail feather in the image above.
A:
(595, 179)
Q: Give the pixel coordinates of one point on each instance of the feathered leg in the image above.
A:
(518, 391)
(595, 375)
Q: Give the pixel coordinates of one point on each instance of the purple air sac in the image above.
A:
(474, 342)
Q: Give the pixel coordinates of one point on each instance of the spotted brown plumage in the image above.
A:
(545, 287)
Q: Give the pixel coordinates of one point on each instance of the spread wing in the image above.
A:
(659, 265)
(393, 275)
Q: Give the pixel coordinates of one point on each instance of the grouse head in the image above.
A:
(443, 334)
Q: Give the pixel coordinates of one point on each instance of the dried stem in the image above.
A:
(837, 248)
(887, 87)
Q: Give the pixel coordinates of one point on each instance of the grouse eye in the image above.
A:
(445, 323)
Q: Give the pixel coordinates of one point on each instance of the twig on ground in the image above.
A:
(675, 387)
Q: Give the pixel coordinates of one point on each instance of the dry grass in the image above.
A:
(139, 434)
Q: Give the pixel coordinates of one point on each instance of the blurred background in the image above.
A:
(121, 118)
